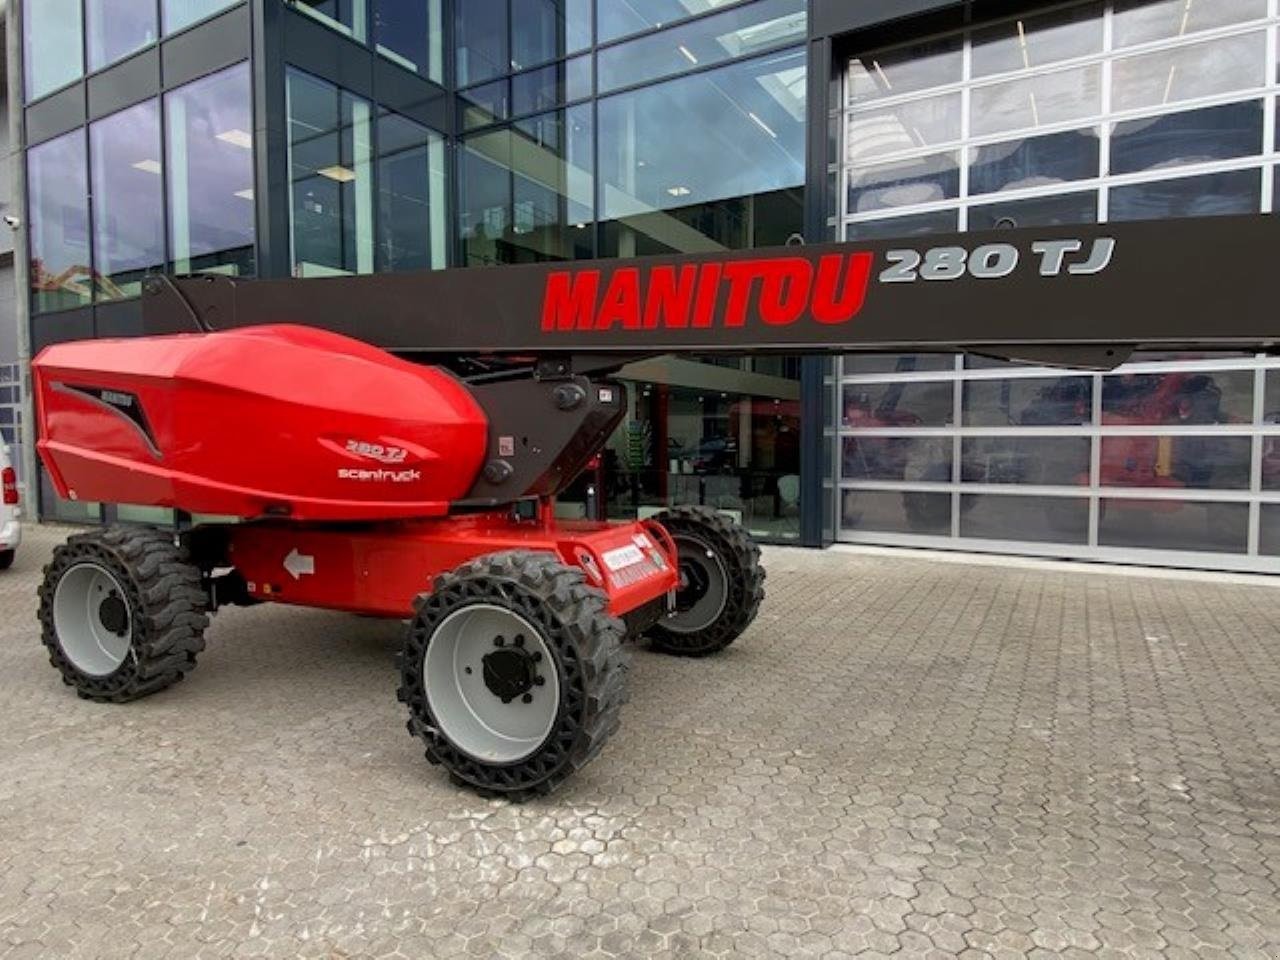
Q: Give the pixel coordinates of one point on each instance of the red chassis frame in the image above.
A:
(380, 569)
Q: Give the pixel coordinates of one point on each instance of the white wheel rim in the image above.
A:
(92, 620)
(463, 666)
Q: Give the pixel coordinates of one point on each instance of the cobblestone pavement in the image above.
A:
(901, 756)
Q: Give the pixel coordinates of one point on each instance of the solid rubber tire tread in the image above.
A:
(587, 645)
(741, 557)
(167, 604)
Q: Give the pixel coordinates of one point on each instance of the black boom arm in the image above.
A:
(1070, 296)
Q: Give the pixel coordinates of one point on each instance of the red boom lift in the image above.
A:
(393, 445)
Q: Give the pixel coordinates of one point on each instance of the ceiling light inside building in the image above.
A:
(762, 125)
(245, 194)
(147, 166)
(679, 191)
(688, 54)
(237, 138)
(338, 172)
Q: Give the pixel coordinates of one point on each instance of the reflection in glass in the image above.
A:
(670, 192)
(1035, 402)
(411, 34)
(51, 45)
(58, 211)
(1177, 462)
(1142, 21)
(481, 40)
(909, 459)
(877, 511)
(331, 179)
(1174, 525)
(914, 225)
(345, 16)
(1034, 519)
(1044, 461)
(1034, 162)
(128, 207)
(1035, 100)
(209, 164)
(1269, 534)
(863, 363)
(904, 70)
(1038, 41)
(1043, 212)
(543, 30)
(906, 404)
(620, 18)
(739, 32)
(904, 183)
(549, 87)
(116, 28)
(1185, 73)
(411, 192)
(1177, 399)
(485, 104)
(1194, 136)
(1212, 195)
(902, 127)
(176, 14)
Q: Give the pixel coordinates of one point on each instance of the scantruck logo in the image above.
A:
(780, 289)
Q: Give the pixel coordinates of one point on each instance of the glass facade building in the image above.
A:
(319, 137)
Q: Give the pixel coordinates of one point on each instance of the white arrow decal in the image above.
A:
(299, 564)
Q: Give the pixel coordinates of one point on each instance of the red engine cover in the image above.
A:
(273, 420)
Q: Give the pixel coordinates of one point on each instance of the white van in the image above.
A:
(10, 528)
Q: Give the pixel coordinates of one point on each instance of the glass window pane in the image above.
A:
(1035, 161)
(1156, 399)
(116, 28)
(1044, 212)
(620, 18)
(330, 175)
(411, 34)
(208, 126)
(1212, 195)
(176, 14)
(1177, 462)
(345, 16)
(1058, 402)
(1040, 41)
(486, 104)
(902, 128)
(903, 70)
(128, 208)
(51, 45)
(1040, 461)
(1184, 73)
(1269, 534)
(554, 187)
(750, 123)
(1141, 21)
(551, 86)
(58, 210)
(1174, 525)
(904, 183)
(861, 363)
(914, 459)
(914, 225)
(543, 30)
(1034, 519)
(1194, 136)
(878, 511)
(1033, 101)
(907, 404)
(736, 33)
(411, 191)
(484, 205)
(482, 52)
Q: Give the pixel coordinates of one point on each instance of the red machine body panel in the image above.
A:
(380, 568)
(264, 421)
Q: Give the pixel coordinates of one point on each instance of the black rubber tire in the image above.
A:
(741, 558)
(587, 647)
(6, 558)
(166, 602)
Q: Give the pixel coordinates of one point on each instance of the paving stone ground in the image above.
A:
(901, 757)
